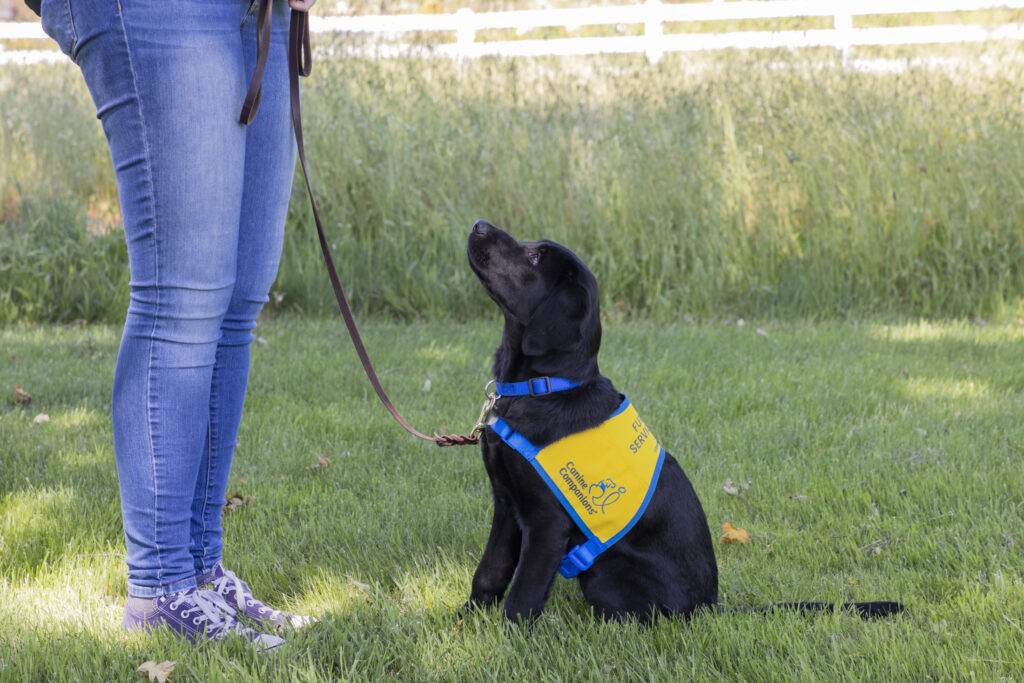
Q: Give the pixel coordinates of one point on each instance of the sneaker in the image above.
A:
(237, 594)
(198, 615)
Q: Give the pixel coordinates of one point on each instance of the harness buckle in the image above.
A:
(546, 380)
(577, 560)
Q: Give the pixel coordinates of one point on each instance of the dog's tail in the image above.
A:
(866, 610)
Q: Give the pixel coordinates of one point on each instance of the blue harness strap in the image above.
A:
(515, 440)
(582, 485)
(538, 386)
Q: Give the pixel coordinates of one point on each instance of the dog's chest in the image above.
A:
(603, 477)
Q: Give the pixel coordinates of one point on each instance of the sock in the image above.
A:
(144, 606)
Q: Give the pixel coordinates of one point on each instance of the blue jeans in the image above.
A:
(204, 200)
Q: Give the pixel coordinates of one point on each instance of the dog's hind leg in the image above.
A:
(615, 595)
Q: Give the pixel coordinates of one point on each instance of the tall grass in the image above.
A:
(700, 187)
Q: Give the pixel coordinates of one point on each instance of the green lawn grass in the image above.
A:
(885, 462)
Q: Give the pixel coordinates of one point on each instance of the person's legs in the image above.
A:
(204, 201)
(167, 79)
(269, 170)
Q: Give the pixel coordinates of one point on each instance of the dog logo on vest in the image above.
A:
(606, 493)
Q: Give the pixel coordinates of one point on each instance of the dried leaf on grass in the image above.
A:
(875, 547)
(735, 489)
(21, 397)
(359, 585)
(237, 500)
(322, 463)
(41, 418)
(360, 588)
(157, 673)
(733, 534)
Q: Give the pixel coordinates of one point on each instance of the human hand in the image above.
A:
(301, 5)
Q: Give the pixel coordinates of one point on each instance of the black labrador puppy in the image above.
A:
(664, 563)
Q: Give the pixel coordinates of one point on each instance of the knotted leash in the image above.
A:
(300, 64)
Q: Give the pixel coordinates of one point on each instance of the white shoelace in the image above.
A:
(230, 580)
(213, 608)
(219, 618)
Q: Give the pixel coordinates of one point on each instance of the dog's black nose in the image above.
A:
(482, 227)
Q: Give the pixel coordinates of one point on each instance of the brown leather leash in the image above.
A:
(300, 64)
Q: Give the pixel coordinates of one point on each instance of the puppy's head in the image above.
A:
(544, 290)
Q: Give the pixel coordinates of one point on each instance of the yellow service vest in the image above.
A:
(603, 477)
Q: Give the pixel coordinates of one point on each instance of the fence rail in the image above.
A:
(381, 35)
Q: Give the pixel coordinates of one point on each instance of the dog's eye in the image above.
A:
(534, 255)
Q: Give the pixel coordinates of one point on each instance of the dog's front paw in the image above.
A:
(471, 606)
(521, 617)
(466, 608)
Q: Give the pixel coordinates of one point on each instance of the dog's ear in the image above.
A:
(557, 324)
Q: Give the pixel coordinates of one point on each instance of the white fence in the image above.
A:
(381, 36)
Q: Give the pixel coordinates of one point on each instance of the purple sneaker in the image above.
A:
(198, 615)
(238, 594)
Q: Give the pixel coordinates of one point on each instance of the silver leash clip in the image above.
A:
(485, 411)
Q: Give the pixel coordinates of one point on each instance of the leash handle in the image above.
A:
(300, 64)
(252, 96)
